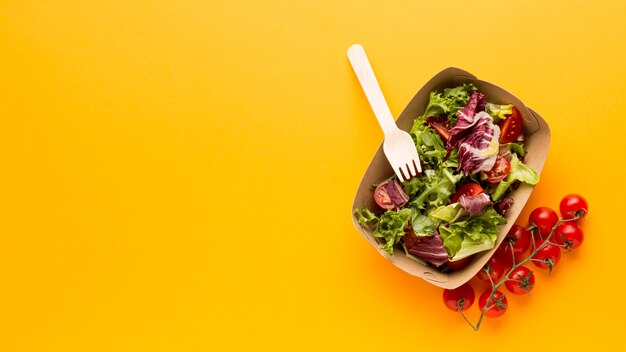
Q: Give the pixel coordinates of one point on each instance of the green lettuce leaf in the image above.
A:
(498, 112)
(391, 227)
(517, 148)
(431, 148)
(366, 218)
(432, 191)
(449, 102)
(519, 172)
(446, 213)
(471, 234)
(422, 225)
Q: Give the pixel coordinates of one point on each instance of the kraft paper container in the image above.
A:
(537, 135)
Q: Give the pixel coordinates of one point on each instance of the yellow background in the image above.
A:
(178, 175)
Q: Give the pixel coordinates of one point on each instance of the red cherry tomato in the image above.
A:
(569, 234)
(547, 257)
(517, 240)
(544, 219)
(504, 257)
(499, 171)
(468, 189)
(459, 264)
(460, 298)
(381, 197)
(572, 203)
(497, 305)
(511, 127)
(494, 269)
(521, 281)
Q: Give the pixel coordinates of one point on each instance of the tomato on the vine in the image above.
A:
(460, 298)
(544, 219)
(511, 127)
(569, 235)
(547, 257)
(494, 269)
(520, 281)
(571, 204)
(497, 305)
(468, 189)
(517, 240)
(499, 171)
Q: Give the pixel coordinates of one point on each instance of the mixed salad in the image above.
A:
(472, 154)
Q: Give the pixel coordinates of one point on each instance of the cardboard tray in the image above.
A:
(536, 132)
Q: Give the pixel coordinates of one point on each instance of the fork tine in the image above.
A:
(401, 175)
(407, 172)
(411, 167)
(418, 166)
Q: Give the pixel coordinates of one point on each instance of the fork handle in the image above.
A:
(365, 74)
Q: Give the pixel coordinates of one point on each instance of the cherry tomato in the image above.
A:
(511, 127)
(504, 257)
(544, 219)
(547, 257)
(521, 281)
(494, 269)
(572, 203)
(569, 234)
(459, 264)
(468, 189)
(381, 197)
(499, 171)
(460, 298)
(517, 239)
(497, 304)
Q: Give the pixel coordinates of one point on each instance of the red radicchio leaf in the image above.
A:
(475, 204)
(473, 135)
(503, 206)
(396, 193)
(428, 248)
(480, 138)
(475, 104)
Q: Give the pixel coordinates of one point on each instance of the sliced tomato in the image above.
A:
(499, 171)
(511, 127)
(381, 197)
(468, 189)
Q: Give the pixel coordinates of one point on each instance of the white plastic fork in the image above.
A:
(398, 145)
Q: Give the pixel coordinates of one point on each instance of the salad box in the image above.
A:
(537, 141)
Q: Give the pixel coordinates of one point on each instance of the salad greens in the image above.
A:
(519, 172)
(449, 102)
(499, 112)
(457, 139)
(391, 227)
(471, 235)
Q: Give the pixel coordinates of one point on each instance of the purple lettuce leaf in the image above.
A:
(475, 204)
(479, 149)
(430, 249)
(466, 119)
(503, 206)
(396, 193)
(476, 137)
